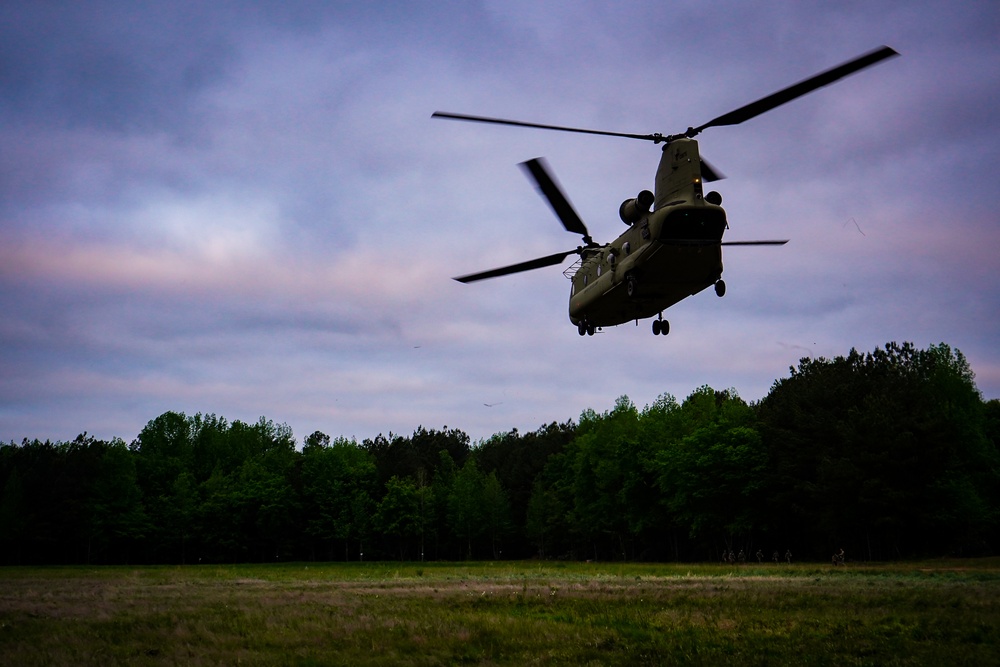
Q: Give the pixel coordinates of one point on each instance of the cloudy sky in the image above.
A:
(246, 208)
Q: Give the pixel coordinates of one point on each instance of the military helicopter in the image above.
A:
(669, 252)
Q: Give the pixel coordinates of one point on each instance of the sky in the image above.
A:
(246, 209)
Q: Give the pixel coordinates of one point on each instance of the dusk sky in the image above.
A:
(246, 208)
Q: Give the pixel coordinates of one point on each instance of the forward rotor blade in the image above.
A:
(799, 89)
(550, 260)
(547, 185)
(655, 138)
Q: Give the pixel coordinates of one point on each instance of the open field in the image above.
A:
(927, 613)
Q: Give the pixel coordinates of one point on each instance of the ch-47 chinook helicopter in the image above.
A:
(669, 252)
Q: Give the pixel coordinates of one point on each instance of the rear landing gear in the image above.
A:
(585, 329)
(661, 327)
(720, 288)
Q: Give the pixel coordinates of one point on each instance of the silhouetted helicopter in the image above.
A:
(668, 253)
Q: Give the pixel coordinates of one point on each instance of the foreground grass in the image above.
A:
(930, 613)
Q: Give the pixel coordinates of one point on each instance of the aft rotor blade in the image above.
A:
(715, 242)
(781, 242)
(539, 172)
(709, 173)
(550, 260)
(799, 89)
(655, 138)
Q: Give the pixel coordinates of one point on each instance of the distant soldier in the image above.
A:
(838, 558)
(760, 556)
(775, 556)
(788, 556)
(742, 558)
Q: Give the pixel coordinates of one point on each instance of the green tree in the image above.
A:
(317, 439)
(426, 509)
(884, 450)
(181, 514)
(222, 525)
(50, 505)
(163, 450)
(613, 491)
(441, 486)
(466, 508)
(398, 514)
(711, 472)
(363, 510)
(114, 504)
(332, 476)
(404, 457)
(496, 508)
(549, 520)
(518, 459)
(13, 515)
(270, 506)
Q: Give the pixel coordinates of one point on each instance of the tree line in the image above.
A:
(887, 454)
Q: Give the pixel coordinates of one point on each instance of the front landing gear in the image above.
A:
(585, 329)
(661, 327)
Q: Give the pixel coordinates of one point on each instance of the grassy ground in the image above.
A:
(928, 613)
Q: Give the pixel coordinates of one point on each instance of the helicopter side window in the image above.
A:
(598, 270)
(627, 247)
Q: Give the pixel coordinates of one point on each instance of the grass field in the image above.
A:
(927, 613)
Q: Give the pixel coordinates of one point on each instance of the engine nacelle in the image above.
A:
(632, 210)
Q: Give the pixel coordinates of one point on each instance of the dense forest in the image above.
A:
(889, 454)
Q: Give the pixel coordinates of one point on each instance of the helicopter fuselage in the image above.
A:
(670, 251)
(665, 256)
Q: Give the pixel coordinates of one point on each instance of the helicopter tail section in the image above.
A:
(679, 176)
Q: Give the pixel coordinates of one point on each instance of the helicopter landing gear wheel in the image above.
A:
(581, 328)
(661, 327)
(630, 286)
(590, 329)
(720, 288)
